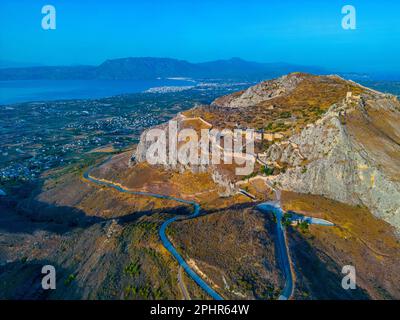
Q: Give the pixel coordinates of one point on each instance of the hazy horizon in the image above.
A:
(17, 64)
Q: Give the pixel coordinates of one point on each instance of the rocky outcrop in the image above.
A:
(260, 92)
(227, 186)
(330, 160)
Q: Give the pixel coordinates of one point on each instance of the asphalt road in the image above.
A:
(267, 207)
(283, 251)
(164, 239)
(182, 285)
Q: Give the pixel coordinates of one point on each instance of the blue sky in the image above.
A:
(301, 32)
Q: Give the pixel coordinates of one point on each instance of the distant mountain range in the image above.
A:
(151, 68)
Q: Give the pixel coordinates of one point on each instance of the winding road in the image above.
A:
(164, 239)
(283, 250)
(267, 207)
(182, 285)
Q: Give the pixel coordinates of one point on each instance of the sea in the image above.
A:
(19, 91)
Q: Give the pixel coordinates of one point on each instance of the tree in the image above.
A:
(267, 171)
(303, 226)
(287, 219)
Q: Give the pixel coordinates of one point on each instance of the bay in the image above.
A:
(46, 90)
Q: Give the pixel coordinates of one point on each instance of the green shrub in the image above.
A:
(69, 279)
(303, 226)
(287, 219)
(269, 126)
(286, 114)
(267, 171)
(133, 269)
(251, 175)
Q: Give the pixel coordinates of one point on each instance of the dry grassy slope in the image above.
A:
(144, 177)
(104, 244)
(187, 185)
(109, 260)
(106, 241)
(359, 239)
(305, 101)
(234, 248)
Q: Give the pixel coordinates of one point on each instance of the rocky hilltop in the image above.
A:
(320, 135)
(259, 93)
(351, 155)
